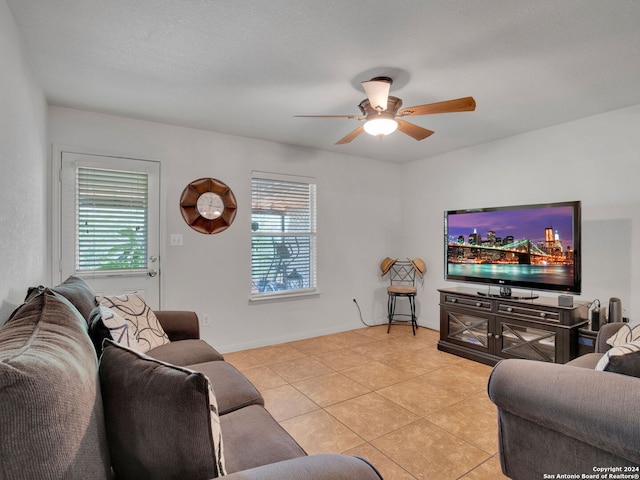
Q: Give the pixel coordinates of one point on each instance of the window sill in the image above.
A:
(283, 297)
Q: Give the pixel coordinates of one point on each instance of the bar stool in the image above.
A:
(402, 278)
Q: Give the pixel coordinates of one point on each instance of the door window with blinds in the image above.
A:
(109, 223)
(111, 220)
(283, 235)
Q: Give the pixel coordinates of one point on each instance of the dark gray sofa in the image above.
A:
(567, 419)
(58, 404)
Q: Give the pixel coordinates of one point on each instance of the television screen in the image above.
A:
(528, 246)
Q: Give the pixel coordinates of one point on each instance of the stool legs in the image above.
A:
(414, 320)
(391, 309)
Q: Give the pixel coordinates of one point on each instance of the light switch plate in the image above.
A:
(175, 240)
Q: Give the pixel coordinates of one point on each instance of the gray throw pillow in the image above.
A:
(623, 359)
(79, 293)
(51, 420)
(162, 420)
(74, 289)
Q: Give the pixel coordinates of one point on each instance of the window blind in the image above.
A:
(111, 214)
(283, 224)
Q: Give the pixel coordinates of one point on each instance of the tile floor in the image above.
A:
(413, 411)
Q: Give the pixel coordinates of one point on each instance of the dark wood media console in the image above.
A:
(487, 329)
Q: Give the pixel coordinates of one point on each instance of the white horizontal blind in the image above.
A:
(111, 226)
(283, 243)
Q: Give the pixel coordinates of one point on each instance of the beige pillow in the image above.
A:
(626, 334)
(120, 330)
(145, 326)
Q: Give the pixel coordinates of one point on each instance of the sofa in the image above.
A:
(77, 402)
(571, 420)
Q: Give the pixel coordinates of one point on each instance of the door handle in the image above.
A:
(152, 273)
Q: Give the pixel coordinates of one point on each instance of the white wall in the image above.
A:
(358, 225)
(594, 160)
(23, 183)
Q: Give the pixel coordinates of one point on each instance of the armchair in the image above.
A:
(566, 419)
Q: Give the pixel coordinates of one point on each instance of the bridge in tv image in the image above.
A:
(521, 252)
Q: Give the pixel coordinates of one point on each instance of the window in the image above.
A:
(283, 235)
(111, 220)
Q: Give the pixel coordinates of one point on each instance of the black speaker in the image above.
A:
(595, 320)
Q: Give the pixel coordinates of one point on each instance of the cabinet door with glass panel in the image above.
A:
(516, 339)
(469, 329)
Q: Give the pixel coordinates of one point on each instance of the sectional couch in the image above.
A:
(177, 411)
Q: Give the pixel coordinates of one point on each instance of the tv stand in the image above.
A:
(488, 328)
(505, 292)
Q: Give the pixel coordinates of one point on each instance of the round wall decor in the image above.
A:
(208, 205)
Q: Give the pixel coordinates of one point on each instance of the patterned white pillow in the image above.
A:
(145, 326)
(119, 328)
(216, 431)
(626, 334)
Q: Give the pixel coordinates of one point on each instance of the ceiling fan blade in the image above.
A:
(414, 131)
(377, 90)
(349, 117)
(351, 136)
(466, 104)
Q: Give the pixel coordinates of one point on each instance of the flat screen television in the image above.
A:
(533, 247)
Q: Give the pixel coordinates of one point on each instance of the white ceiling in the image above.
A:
(245, 67)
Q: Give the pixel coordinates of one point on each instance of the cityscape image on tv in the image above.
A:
(514, 245)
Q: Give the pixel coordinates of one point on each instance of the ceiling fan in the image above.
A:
(382, 114)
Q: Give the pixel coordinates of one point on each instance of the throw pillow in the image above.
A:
(105, 323)
(74, 289)
(79, 293)
(162, 420)
(145, 326)
(624, 359)
(52, 421)
(626, 334)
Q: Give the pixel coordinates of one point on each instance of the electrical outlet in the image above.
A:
(206, 321)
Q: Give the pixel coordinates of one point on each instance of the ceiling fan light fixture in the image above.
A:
(382, 114)
(377, 90)
(380, 126)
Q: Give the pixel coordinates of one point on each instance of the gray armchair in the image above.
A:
(566, 419)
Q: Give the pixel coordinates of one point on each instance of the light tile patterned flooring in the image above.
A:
(394, 399)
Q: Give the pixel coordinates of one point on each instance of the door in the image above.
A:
(110, 224)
